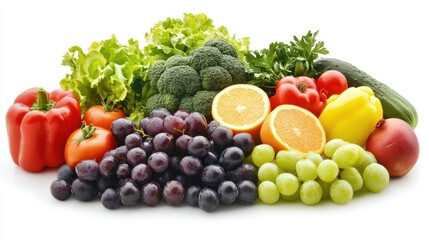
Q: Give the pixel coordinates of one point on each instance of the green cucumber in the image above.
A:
(394, 104)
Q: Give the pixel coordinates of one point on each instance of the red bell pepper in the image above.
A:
(38, 126)
(299, 91)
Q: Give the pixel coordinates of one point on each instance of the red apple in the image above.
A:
(394, 143)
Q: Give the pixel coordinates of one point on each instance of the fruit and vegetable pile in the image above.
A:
(196, 117)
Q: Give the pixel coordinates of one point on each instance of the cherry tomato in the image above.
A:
(88, 143)
(98, 116)
(331, 82)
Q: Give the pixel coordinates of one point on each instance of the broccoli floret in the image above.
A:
(203, 103)
(203, 57)
(160, 100)
(235, 68)
(180, 81)
(187, 103)
(223, 46)
(155, 71)
(176, 60)
(215, 78)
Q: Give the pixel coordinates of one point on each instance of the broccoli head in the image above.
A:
(155, 71)
(235, 68)
(223, 46)
(176, 60)
(179, 81)
(203, 103)
(215, 78)
(187, 103)
(160, 100)
(203, 57)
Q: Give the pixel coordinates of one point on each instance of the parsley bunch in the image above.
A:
(267, 66)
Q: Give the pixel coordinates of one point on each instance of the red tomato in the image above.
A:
(331, 82)
(98, 116)
(93, 147)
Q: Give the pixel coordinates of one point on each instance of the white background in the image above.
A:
(389, 40)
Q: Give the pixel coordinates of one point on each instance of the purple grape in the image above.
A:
(151, 193)
(136, 156)
(174, 164)
(84, 190)
(121, 154)
(163, 178)
(141, 174)
(173, 193)
(247, 192)
(227, 192)
(213, 175)
(182, 113)
(160, 113)
(208, 200)
(175, 126)
(182, 144)
(123, 170)
(231, 158)
(158, 162)
(60, 189)
(121, 128)
(246, 171)
(245, 142)
(147, 147)
(211, 127)
(104, 183)
(222, 137)
(163, 142)
(108, 166)
(66, 173)
(190, 166)
(154, 126)
(196, 124)
(144, 122)
(87, 170)
(210, 159)
(192, 194)
(198, 146)
(133, 140)
(110, 199)
(129, 194)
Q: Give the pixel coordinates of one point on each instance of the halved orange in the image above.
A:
(242, 108)
(293, 128)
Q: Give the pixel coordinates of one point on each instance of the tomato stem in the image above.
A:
(87, 132)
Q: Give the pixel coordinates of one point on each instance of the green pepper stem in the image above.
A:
(42, 103)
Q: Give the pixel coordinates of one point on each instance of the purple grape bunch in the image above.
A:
(176, 158)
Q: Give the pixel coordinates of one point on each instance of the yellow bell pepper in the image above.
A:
(352, 115)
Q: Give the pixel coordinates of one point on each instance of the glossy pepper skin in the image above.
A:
(38, 124)
(299, 91)
(352, 115)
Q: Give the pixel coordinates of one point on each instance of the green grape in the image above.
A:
(268, 172)
(375, 177)
(326, 188)
(353, 176)
(306, 170)
(311, 192)
(368, 159)
(315, 157)
(292, 197)
(287, 159)
(268, 192)
(346, 156)
(361, 154)
(341, 191)
(287, 184)
(328, 170)
(262, 153)
(332, 146)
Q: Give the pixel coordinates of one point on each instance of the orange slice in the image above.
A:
(293, 128)
(242, 108)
